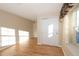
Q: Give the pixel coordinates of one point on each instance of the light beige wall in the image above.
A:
(61, 32)
(72, 22)
(69, 23)
(35, 29)
(64, 35)
(68, 34)
(15, 22)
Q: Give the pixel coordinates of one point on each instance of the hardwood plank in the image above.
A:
(32, 49)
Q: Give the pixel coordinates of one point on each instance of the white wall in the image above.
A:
(42, 26)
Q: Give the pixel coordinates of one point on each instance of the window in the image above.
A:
(23, 36)
(7, 36)
(77, 27)
(50, 30)
(78, 18)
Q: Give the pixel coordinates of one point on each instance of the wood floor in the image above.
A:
(32, 49)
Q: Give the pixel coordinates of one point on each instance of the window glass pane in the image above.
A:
(50, 35)
(23, 33)
(78, 18)
(8, 40)
(50, 30)
(7, 31)
(7, 36)
(23, 39)
(23, 36)
(77, 27)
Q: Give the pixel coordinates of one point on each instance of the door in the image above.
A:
(47, 31)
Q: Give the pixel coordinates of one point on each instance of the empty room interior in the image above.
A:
(39, 29)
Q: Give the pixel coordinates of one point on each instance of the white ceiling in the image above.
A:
(32, 10)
